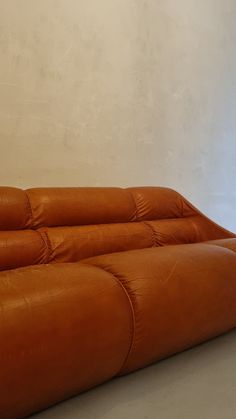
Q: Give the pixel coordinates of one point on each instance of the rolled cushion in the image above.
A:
(22, 248)
(154, 203)
(71, 244)
(64, 328)
(15, 211)
(80, 206)
(226, 243)
(181, 296)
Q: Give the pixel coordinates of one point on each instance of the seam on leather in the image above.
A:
(29, 208)
(136, 218)
(154, 242)
(195, 228)
(131, 305)
(44, 241)
(50, 249)
(47, 243)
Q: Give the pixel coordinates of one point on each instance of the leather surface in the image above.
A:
(79, 206)
(179, 296)
(155, 277)
(15, 211)
(228, 243)
(191, 229)
(22, 248)
(77, 223)
(71, 244)
(63, 329)
(158, 203)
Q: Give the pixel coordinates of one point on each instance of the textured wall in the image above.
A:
(121, 92)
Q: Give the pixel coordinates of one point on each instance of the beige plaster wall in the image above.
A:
(121, 92)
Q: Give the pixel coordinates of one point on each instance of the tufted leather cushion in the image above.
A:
(15, 210)
(71, 244)
(63, 328)
(76, 223)
(178, 295)
(22, 248)
(155, 277)
(79, 206)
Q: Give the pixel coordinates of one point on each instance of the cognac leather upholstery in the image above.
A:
(98, 282)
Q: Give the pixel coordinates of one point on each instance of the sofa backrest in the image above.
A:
(47, 225)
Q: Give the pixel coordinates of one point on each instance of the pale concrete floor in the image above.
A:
(197, 384)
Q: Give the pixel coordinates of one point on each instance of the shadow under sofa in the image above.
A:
(98, 282)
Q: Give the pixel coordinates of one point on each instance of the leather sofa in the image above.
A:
(98, 282)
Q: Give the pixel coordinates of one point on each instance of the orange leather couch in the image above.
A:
(97, 282)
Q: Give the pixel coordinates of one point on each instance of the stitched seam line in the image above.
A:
(135, 205)
(153, 233)
(131, 305)
(47, 244)
(29, 208)
(44, 245)
(133, 322)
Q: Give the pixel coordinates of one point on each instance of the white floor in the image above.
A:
(197, 384)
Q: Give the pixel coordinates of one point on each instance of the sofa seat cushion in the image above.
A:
(227, 243)
(180, 296)
(64, 328)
